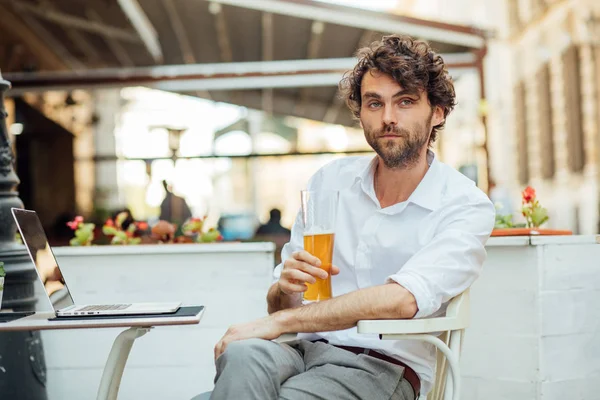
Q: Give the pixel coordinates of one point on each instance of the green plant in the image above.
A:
(504, 221)
(193, 227)
(2, 274)
(121, 234)
(535, 215)
(84, 233)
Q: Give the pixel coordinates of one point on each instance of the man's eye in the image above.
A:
(406, 102)
(375, 104)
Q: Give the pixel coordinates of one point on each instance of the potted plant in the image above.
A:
(535, 216)
(194, 229)
(84, 232)
(124, 230)
(2, 275)
(123, 233)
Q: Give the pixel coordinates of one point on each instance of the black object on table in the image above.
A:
(11, 316)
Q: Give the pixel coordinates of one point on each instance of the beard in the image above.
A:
(403, 152)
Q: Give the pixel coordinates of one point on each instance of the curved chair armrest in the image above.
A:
(409, 326)
(457, 317)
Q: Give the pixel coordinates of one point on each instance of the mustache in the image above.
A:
(391, 130)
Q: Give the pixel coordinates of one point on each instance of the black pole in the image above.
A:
(8, 178)
(23, 372)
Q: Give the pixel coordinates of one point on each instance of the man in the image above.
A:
(410, 236)
(273, 225)
(274, 232)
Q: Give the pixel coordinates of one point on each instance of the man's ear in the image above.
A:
(438, 116)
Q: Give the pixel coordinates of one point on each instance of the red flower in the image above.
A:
(220, 237)
(142, 226)
(528, 194)
(73, 225)
(109, 222)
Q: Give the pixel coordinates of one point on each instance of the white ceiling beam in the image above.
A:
(166, 72)
(144, 28)
(370, 20)
(193, 85)
(76, 22)
(189, 78)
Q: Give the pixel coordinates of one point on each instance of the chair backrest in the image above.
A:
(459, 308)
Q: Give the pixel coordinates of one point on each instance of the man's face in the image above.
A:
(397, 122)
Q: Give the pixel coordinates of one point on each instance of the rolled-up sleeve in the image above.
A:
(452, 260)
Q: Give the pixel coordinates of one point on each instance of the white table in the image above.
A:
(115, 364)
(230, 279)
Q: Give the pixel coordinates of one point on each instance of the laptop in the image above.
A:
(55, 284)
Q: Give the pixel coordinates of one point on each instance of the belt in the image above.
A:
(409, 374)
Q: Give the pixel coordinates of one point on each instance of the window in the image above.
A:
(521, 131)
(572, 96)
(545, 124)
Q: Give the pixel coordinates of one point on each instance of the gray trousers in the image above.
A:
(257, 369)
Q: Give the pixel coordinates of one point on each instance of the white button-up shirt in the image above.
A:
(432, 244)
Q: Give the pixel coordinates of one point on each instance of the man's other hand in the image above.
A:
(267, 328)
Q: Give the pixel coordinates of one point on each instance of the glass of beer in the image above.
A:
(319, 210)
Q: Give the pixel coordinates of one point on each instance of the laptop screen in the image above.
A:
(35, 240)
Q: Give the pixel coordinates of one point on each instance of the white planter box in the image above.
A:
(230, 279)
(534, 321)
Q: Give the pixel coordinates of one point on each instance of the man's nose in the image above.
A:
(389, 116)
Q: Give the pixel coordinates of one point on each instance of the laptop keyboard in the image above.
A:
(107, 307)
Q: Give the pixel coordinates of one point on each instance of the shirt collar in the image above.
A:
(427, 194)
(365, 179)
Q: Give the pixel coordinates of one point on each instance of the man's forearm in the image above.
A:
(277, 300)
(390, 301)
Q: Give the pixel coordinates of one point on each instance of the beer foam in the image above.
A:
(317, 231)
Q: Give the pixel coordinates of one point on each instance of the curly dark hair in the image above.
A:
(412, 63)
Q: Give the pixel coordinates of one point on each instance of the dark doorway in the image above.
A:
(45, 167)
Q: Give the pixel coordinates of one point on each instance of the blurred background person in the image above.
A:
(174, 208)
(274, 232)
